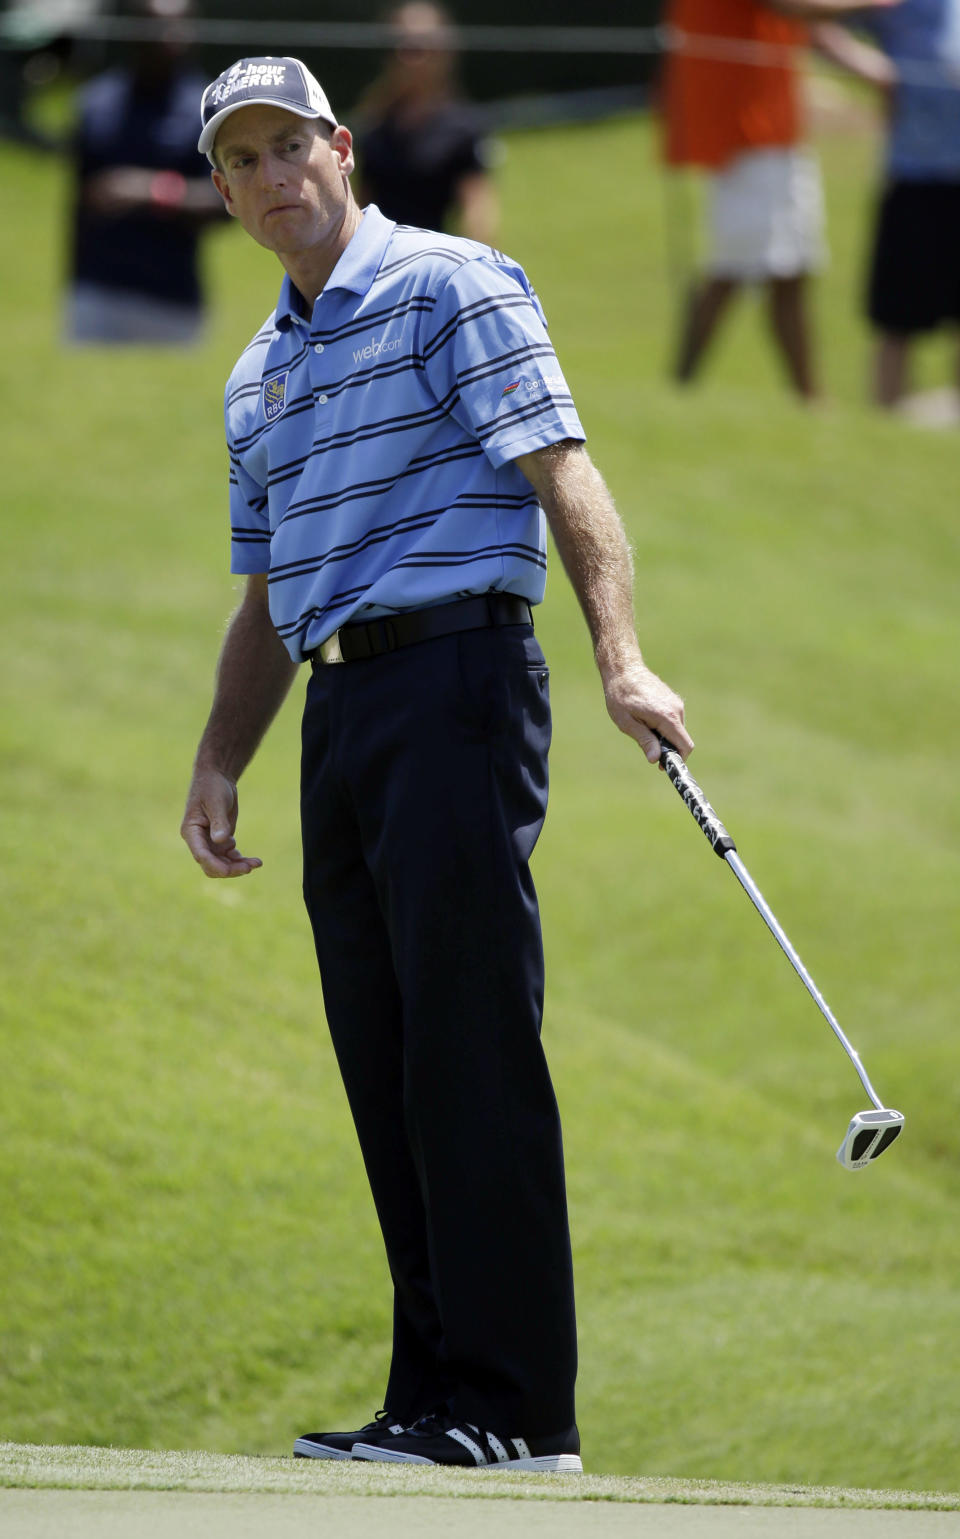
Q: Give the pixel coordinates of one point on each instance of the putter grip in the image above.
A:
(694, 799)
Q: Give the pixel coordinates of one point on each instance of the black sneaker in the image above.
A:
(439, 1440)
(339, 1445)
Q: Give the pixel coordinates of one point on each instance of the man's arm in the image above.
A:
(254, 674)
(131, 189)
(478, 207)
(852, 54)
(593, 548)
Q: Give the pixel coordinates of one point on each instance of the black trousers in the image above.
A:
(424, 789)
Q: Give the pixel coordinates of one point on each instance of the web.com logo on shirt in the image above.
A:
(373, 349)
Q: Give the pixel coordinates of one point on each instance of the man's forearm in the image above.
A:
(254, 674)
(592, 545)
(596, 556)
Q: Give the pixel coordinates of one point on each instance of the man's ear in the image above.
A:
(341, 142)
(223, 187)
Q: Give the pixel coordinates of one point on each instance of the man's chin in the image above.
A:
(281, 241)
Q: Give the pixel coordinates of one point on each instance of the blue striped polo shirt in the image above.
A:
(371, 446)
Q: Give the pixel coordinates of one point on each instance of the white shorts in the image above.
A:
(765, 216)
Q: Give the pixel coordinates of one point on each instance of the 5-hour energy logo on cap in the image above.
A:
(246, 77)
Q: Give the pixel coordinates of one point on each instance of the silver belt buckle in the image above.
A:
(330, 649)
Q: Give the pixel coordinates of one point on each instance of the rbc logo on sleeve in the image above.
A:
(275, 395)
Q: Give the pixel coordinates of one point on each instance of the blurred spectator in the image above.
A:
(35, 45)
(424, 154)
(143, 194)
(731, 103)
(914, 278)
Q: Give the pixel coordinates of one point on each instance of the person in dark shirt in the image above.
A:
(424, 152)
(143, 195)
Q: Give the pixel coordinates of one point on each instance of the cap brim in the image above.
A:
(208, 138)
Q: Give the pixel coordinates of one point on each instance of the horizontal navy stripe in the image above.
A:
(443, 253)
(436, 413)
(504, 362)
(470, 314)
(363, 377)
(362, 489)
(463, 558)
(381, 535)
(416, 521)
(537, 408)
(295, 409)
(416, 304)
(299, 624)
(416, 420)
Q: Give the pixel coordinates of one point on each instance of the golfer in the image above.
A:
(397, 429)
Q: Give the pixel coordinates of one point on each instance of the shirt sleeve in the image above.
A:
(491, 365)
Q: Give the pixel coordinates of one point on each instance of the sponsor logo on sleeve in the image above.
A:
(542, 385)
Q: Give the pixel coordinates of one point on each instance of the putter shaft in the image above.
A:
(779, 934)
(724, 846)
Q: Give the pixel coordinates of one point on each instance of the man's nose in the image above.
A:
(273, 172)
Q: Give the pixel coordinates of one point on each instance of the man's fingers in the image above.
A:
(643, 706)
(676, 735)
(208, 825)
(233, 864)
(674, 732)
(647, 740)
(213, 859)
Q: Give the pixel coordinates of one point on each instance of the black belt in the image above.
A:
(369, 638)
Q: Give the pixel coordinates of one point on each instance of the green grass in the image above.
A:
(38, 1467)
(189, 1255)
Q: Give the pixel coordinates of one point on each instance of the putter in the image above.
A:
(870, 1132)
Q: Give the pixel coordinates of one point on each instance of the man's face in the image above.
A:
(283, 177)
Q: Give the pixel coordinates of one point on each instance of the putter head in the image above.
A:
(869, 1133)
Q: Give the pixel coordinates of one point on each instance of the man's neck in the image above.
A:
(309, 270)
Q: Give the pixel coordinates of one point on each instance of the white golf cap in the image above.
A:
(269, 82)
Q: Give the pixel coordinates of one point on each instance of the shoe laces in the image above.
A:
(440, 1421)
(433, 1423)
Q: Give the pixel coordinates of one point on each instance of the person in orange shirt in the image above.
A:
(731, 105)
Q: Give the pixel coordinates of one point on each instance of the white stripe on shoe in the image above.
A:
(498, 1448)
(468, 1443)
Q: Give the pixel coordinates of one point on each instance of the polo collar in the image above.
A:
(358, 265)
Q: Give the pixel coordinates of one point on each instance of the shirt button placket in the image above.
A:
(320, 397)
